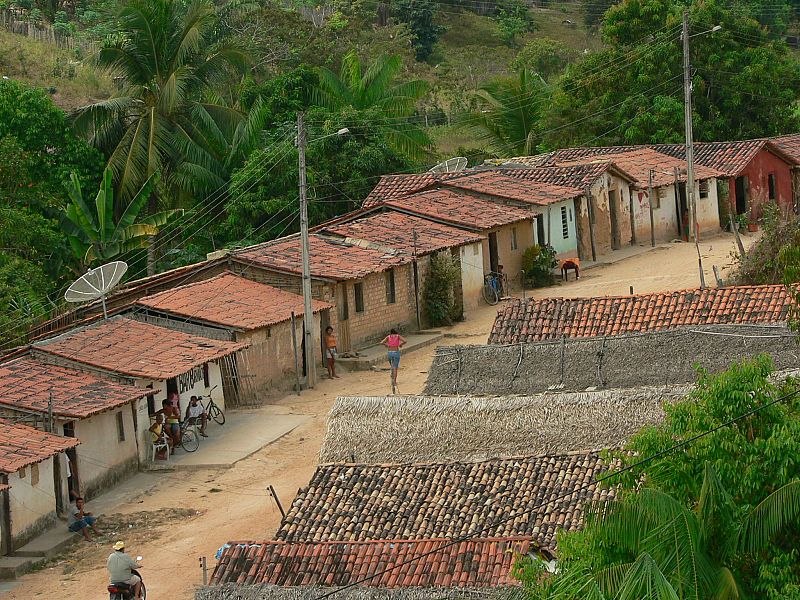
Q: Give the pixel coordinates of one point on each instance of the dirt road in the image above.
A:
(233, 504)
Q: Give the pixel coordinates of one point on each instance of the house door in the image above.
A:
(324, 322)
(683, 211)
(5, 518)
(742, 185)
(541, 239)
(494, 259)
(613, 209)
(343, 312)
(73, 479)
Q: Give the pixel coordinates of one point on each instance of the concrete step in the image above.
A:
(12, 567)
(49, 544)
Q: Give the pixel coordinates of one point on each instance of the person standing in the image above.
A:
(393, 342)
(330, 352)
(120, 569)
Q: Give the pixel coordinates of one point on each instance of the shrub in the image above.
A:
(768, 259)
(439, 298)
(538, 263)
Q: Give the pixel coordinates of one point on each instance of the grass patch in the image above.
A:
(72, 82)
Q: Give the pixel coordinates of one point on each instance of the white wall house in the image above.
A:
(560, 228)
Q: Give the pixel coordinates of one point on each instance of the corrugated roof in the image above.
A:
(397, 230)
(21, 446)
(232, 301)
(331, 258)
(447, 500)
(554, 318)
(137, 349)
(475, 563)
(28, 384)
(461, 209)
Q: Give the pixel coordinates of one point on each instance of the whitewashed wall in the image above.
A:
(31, 504)
(471, 257)
(553, 224)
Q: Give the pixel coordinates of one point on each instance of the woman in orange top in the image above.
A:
(393, 342)
(330, 352)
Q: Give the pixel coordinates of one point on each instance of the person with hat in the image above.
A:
(120, 566)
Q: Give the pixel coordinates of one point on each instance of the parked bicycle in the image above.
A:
(190, 437)
(494, 287)
(212, 410)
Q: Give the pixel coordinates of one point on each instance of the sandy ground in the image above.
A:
(234, 505)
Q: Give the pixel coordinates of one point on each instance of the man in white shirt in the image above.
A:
(196, 411)
(80, 520)
(120, 566)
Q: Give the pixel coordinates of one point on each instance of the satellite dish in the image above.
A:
(96, 283)
(451, 165)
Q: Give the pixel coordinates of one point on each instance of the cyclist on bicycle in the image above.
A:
(197, 412)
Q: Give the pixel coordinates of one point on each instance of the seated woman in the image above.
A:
(158, 433)
(172, 417)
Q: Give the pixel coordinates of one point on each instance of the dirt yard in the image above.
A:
(233, 504)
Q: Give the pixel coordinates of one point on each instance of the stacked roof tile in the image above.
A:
(460, 209)
(501, 185)
(397, 186)
(137, 349)
(21, 446)
(231, 301)
(553, 318)
(28, 384)
(391, 564)
(404, 232)
(331, 258)
(532, 496)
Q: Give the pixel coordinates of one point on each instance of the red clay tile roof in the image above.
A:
(553, 318)
(501, 185)
(232, 301)
(789, 145)
(638, 163)
(137, 349)
(331, 258)
(27, 383)
(397, 186)
(461, 209)
(21, 446)
(578, 176)
(471, 564)
(396, 230)
(446, 500)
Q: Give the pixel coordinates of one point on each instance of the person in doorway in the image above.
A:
(120, 569)
(79, 520)
(330, 352)
(393, 342)
(197, 412)
(158, 432)
(172, 418)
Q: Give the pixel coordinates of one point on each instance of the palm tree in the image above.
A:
(509, 113)
(165, 117)
(91, 229)
(374, 89)
(671, 552)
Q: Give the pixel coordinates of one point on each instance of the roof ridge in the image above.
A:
(492, 539)
(470, 462)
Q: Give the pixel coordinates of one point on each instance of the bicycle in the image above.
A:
(212, 410)
(190, 438)
(493, 286)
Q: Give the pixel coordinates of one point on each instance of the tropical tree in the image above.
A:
(375, 89)
(166, 117)
(509, 112)
(666, 550)
(92, 229)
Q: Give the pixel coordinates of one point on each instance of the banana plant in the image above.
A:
(92, 230)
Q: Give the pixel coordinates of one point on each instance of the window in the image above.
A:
(513, 238)
(390, 289)
(34, 474)
(704, 188)
(657, 198)
(21, 473)
(771, 184)
(564, 223)
(358, 290)
(120, 427)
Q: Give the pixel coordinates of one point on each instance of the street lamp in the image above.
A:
(308, 310)
(687, 93)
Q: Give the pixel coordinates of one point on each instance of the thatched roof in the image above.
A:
(386, 429)
(662, 358)
(272, 592)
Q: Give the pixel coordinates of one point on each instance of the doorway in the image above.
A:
(494, 260)
(5, 518)
(742, 186)
(613, 209)
(541, 239)
(343, 313)
(73, 477)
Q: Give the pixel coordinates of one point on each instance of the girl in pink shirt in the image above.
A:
(393, 342)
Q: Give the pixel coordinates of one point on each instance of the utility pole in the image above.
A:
(687, 107)
(308, 311)
(50, 422)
